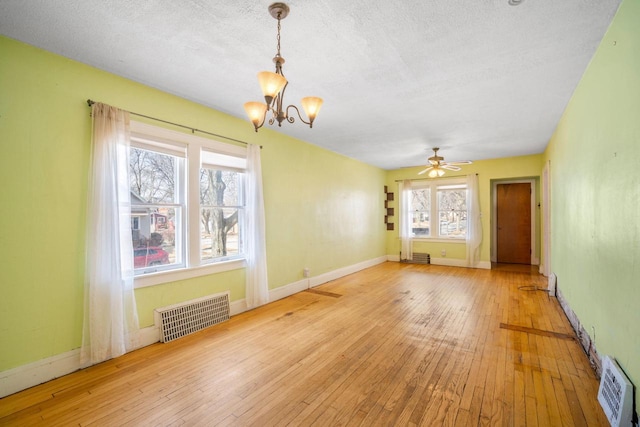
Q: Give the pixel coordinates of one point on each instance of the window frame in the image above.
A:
(194, 146)
(434, 214)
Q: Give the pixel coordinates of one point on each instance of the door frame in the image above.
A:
(494, 223)
(545, 262)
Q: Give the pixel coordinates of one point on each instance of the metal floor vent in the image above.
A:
(178, 320)
(615, 394)
(419, 258)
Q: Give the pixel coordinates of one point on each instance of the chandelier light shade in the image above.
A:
(311, 106)
(271, 83)
(273, 86)
(256, 112)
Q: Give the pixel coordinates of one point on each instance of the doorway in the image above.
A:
(513, 227)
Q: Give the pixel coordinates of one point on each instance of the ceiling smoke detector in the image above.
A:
(515, 2)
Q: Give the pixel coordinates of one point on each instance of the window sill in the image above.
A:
(187, 273)
(439, 240)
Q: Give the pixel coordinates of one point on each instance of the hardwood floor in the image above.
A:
(395, 344)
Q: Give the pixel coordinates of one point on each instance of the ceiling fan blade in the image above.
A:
(450, 167)
(464, 162)
(425, 171)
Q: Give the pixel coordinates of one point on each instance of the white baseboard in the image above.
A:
(41, 371)
(25, 376)
(148, 336)
(452, 262)
(31, 374)
(486, 265)
(237, 307)
(301, 285)
(345, 271)
(455, 262)
(287, 290)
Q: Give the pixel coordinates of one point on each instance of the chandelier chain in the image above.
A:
(278, 54)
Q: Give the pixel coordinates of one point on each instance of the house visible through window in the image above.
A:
(175, 225)
(438, 209)
(158, 205)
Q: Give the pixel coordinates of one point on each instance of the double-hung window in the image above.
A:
(438, 209)
(187, 203)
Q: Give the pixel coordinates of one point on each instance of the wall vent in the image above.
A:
(419, 258)
(615, 394)
(178, 320)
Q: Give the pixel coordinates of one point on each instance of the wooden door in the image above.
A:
(513, 220)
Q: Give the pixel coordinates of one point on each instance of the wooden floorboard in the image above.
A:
(396, 344)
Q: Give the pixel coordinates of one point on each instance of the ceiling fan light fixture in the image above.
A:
(436, 165)
(273, 86)
(436, 172)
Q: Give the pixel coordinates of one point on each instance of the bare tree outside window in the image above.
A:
(452, 211)
(221, 203)
(420, 208)
(152, 176)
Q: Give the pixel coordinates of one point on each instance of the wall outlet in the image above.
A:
(305, 272)
(443, 253)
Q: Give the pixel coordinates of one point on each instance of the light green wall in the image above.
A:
(322, 209)
(595, 188)
(489, 171)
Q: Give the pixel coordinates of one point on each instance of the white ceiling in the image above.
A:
(480, 79)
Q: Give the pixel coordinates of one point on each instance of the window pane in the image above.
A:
(221, 210)
(220, 233)
(154, 241)
(152, 176)
(220, 188)
(420, 212)
(452, 212)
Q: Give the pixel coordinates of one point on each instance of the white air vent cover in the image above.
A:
(615, 393)
(182, 319)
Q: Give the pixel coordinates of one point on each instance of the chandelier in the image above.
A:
(273, 86)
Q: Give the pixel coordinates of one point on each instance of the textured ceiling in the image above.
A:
(480, 79)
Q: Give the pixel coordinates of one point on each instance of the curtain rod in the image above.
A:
(192, 129)
(423, 179)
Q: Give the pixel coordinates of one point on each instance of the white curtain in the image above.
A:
(110, 316)
(257, 288)
(406, 246)
(474, 223)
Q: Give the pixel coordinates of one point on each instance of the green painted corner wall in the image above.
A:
(489, 172)
(322, 209)
(595, 189)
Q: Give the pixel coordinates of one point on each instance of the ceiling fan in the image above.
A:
(437, 165)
